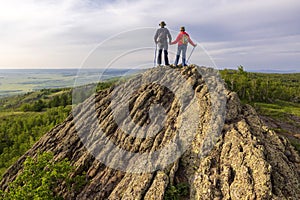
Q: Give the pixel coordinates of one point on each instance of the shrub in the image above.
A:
(176, 192)
(40, 177)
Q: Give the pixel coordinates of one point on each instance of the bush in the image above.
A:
(176, 192)
(40, 177)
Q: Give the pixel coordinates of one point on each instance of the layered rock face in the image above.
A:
(168, 127)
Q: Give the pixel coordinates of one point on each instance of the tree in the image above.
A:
(38, 106)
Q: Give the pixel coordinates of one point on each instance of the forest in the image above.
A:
(261, 87)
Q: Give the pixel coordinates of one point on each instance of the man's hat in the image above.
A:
(182, 28)
(162, 23)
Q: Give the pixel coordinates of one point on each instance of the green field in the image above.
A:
(16, 84)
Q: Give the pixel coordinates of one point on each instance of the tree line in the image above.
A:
(260, 87)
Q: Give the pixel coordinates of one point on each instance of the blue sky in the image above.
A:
(61, 33)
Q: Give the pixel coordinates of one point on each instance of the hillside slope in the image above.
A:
(248, 161)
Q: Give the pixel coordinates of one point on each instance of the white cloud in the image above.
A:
(60, 33)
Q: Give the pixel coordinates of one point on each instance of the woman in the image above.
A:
(182, 39)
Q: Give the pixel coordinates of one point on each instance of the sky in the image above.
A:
(63, 33)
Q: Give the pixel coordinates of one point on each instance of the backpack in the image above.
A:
(185, 39)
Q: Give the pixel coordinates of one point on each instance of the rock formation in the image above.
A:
(247, 160)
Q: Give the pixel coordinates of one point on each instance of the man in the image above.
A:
(161, 39)
(182, 39)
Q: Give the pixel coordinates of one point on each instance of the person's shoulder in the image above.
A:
(166, 30)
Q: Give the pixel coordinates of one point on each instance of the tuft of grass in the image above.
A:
(177, 192)
(296, 144)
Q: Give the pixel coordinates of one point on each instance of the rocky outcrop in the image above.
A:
(246, 161)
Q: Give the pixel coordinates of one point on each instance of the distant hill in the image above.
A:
(275, 71)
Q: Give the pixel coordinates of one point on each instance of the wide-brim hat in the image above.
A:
(162, 23)
(182, 28)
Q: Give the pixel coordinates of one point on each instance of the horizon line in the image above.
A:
(261, 70)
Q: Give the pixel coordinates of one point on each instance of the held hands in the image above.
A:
(195, 45)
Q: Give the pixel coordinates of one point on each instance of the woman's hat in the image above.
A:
(182, 28)
(162, 23)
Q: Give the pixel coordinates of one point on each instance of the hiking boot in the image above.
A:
(183, 62)
(176, 60)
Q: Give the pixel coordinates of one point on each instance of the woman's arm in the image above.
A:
(177, 40)
(191, 42)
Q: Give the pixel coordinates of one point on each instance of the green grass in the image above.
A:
(296, 144)
(279, 109)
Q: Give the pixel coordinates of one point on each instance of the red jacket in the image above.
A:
(183, 38)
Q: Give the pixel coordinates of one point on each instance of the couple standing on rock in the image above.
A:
(161, 39)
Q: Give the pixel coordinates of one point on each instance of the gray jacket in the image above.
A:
(162, 35)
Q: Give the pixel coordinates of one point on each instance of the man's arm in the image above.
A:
(169, 36)
(156, 36)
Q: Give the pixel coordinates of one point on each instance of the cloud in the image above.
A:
(60, 33)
